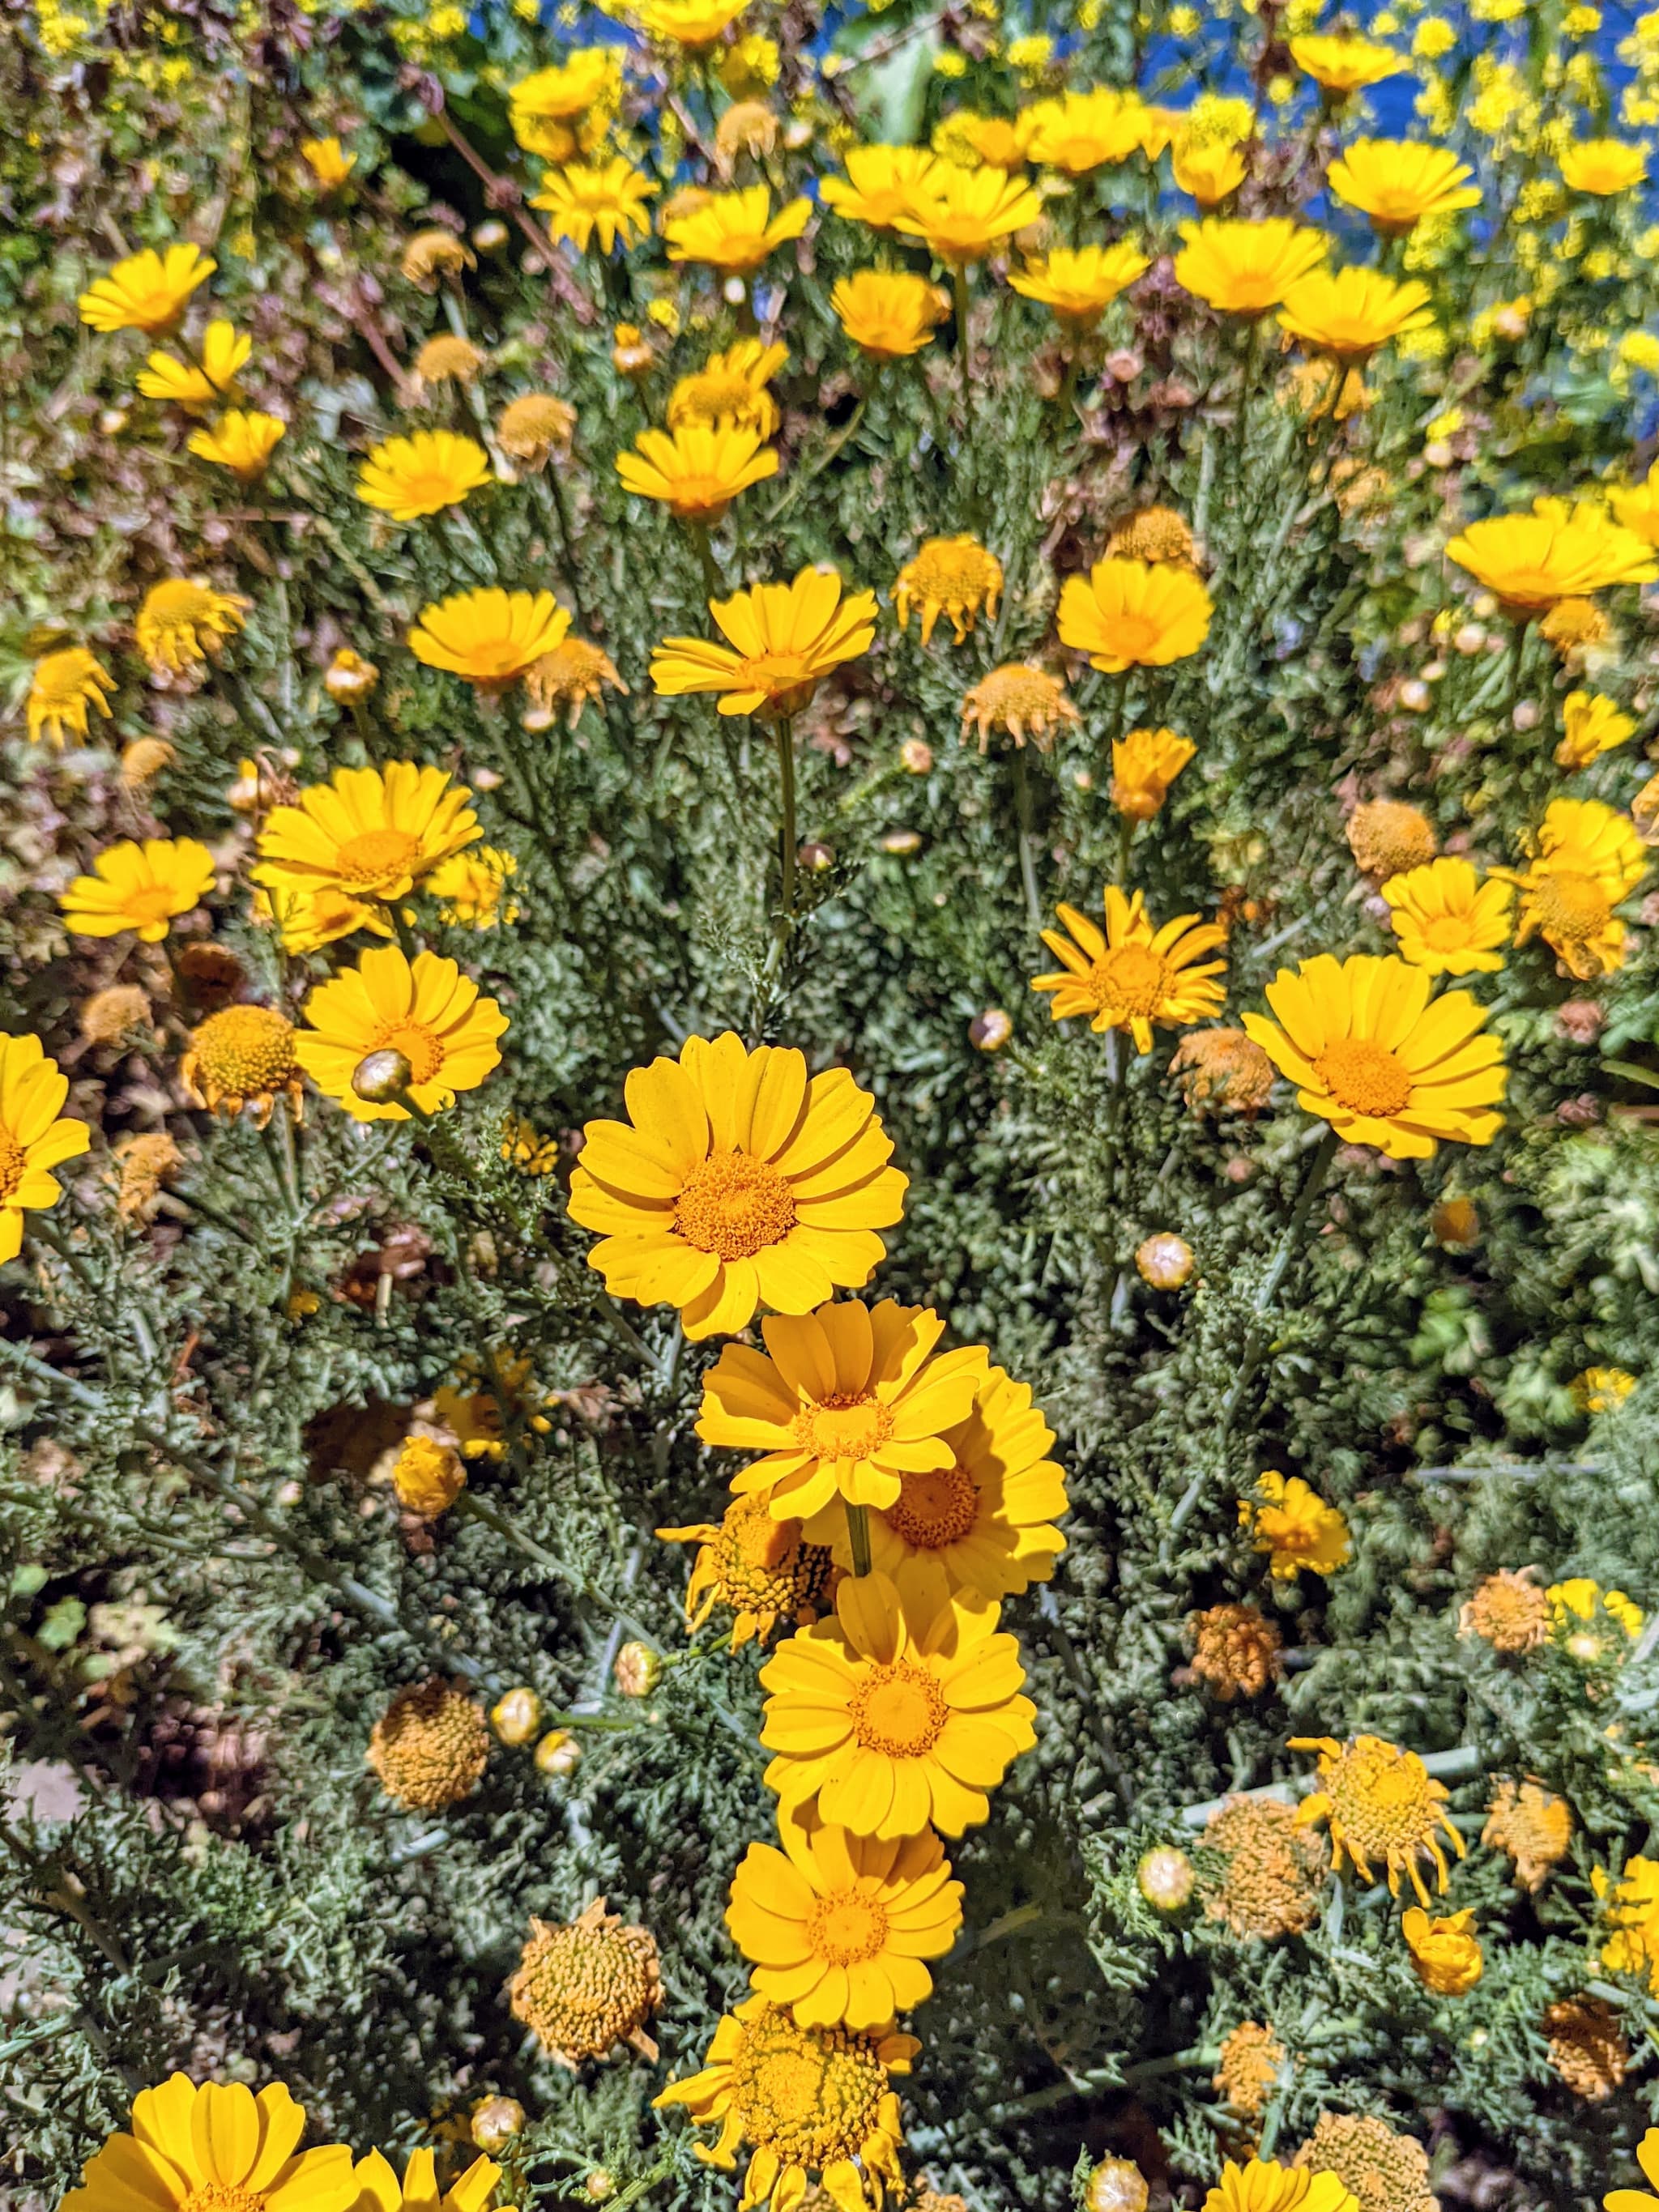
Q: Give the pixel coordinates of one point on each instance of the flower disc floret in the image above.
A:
(242, 1055)
(1380, 1803)
(430, 1746)
(584, 1988)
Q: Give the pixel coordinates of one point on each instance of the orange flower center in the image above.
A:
(223, 2197)
(899, 1711)
(934, 1508)
(374, 856)
(701, 496)
(849, 1427)
(1363, 1078)
(1572, 906)
(1135, 637)
(149, 903)
(735, 1206)
(1448, 933)
(1133, 977)
(785, 678)
(14, 1163)
(847, 1928)
(422, 1050)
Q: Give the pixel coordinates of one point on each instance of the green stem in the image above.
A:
(783, 927)
(858, 1536)
(959, 286)
(711, 585)
(1027, 839)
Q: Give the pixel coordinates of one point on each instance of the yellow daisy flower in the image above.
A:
(1078, 284)
(961, 214)
(535, 426)
(422, 474)
(698, 469)
(328, 161)
(1397, 182)
(239, 1055)
(35, 1135)
(1630, 1908)
(735, 231)
(737, 1180)
(367, 835)
(1209, 169)
(1134, 975)
(1261, 2184)
(1133, 614)
(147, 291)
(1370, 1054)
(541, 108)
(882, 184)
(575, 671)
(730, 387)
(1602, 167)
(1145, 763)
(378, 2189)
(1559, 552)
(758, 1567)
(471, 888)
(490, 636)
(308, 920)
(1446, 921)
(224, 352)
(1349, 313)
(1589, 859)
(61, 689)
(181, 622)
(953, 576)
(1245, 268)
(1647, 2151)
(889, 313)
(690, 23)
(242, 441)
(785, 639)
(1342, 65)
(425, 1010)
(1379, 1803)
(837, 1927)
(139, 887)
(608, 198)
(1637, 506)
(196, 2144)
(1592, 725)
(1082, 132)
(1293, 1526)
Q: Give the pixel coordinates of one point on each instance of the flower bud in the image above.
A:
(516, 1715)
(349, 676)
(917, 756)
(902, 842)
(991, 1030)
(379, 1077)
(638, 1670)
(1165, 1261)
(1116, 2184)
(815, 858)
(558, 1752)
(1165, 1877)
(495, 2121)
(490, 237)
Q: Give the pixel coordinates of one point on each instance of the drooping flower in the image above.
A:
(961, 214)
(837, 1927)
(698, 469)
(1271, 1870)
(1349, 313)
(1559, 552)
(784, 640)
(1370, 1054)
(146, 292)
(735, 231)
(242, 441)
(240, 1056)
(195, 2144)
(1245, 268)
(889, 313)
(1145, 763)
(448, 358)
(535, 426)
(1078, 284)
(425, 1013)
(1603, 166)
(181, 622)
(575, 671)
(953, 576)
(730, 387)
(1531, 1825)
(1379, 1803)
(141, 887)
(430, 1746)
(224, 351)
(1133, 614)
(759, 1567)
(368, 834)
(844, 1402)
(1446, 921)
(1247, 2068)
(1020, 700)
(433, 254)
(1591, 726)
(1586, 2048)
(1134, 975)
(328, 161)
(1397, 182)
(737, 1180)
(422, 474)
(1291, 1526)
(1155, 534)
(814, 2103)
(1261, 2184)
(607, 199)
(1236, 1650)
(900, 1713)
(1220, 1071)
(1445, 1950)
(1085, 130)
(1342, 65)
(689, 23)
(35, 1135)
(584, 1988)
(490, 636)
(881, 185)
(62, 687)
(378, 2189)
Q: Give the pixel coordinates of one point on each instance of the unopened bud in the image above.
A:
(991, 1030)
(1165, 1877)
(349, 676)
(917, 756)
(638, 1670)
(379, 1078)
(1116, 2184)
(490, 237)
(815, 858)
(558, 1752)
(902, 842)
(516, 1715)
(1165, 1261)
(113, 421)
(495, 2121)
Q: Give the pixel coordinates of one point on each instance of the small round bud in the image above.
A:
(490, 237)
(991, 1030)
(1454, 1221)
(113, 421)
(1527, 714)
(902, 842)
(516, 1715)
(379, 1077)
(558, 1752)
(917, 756)
(1165, 1261)
(1439, 454)
(638, 1670)
(349, 676)
(599, 2185)
(1116, 2184)
(1469, 638)
(1083, 779)
(733, 291)
(1165, 1877)
(1414, 695)
(429, 1476)
(495, 2121)
(537, 719)
(815, 858)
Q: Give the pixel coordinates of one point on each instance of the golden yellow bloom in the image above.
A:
(1245, 268)
(368, 834)
(961, 214)
(213, 2143)
(328, 162)
(430, 1746)
(1379, 1803)
(1446, 1952)
(447, 359)
(1154, 534)
(427, 1476)
(1599, 1389)
(1369, 1054)
(1446, 921)
(422, 474)
(784, 640)
(730, 387)
(739, 1182)
(1342, 65)
(1291, 1526)
(836, 1927)
(584, 1988)
(1020, 700)
(1145, 763)
(242, 1055)
(900, 1712)
(844, 1403)
(1082, 132)
(1592, 725)
(690, 23)
(147, 291)
(535, 426)
(1630, 1910)
(953, 576)
(759, 1567)
(1507, 1609)
(471, 888)
(425, 1012)
(1272, 1870)
(1531, 1825)
(1387, 2172)
(471, 1408)
(431, 254)
(748, 126)
(1078, 284)
(608, 198)
(1209, 170)
(1581, 1603)
(1134, 975)
(1589, 857)
(181, 622)
(1388, 838)
(698, 471)
(1249, 2062)
(35, 1135)
(1571, 625)
(224, 351)
(1637, 506)
(1559, 552)
(1002, 142)
(1349, 313)
(523, 1146)
(1264, 2185)
(1588, 2050)
(490, 636)
(242, 441)
(378, 2189)
(1397, 182)
(735, 231)
(1133, 614)
(139, 887)
(308, 919)
(889, 313)
(811, 2101)
(882, 184)
(568, 677)
(61, 689)
(1236, 1651)
(543, 106)
(1220, 1071)
(1602, 167)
